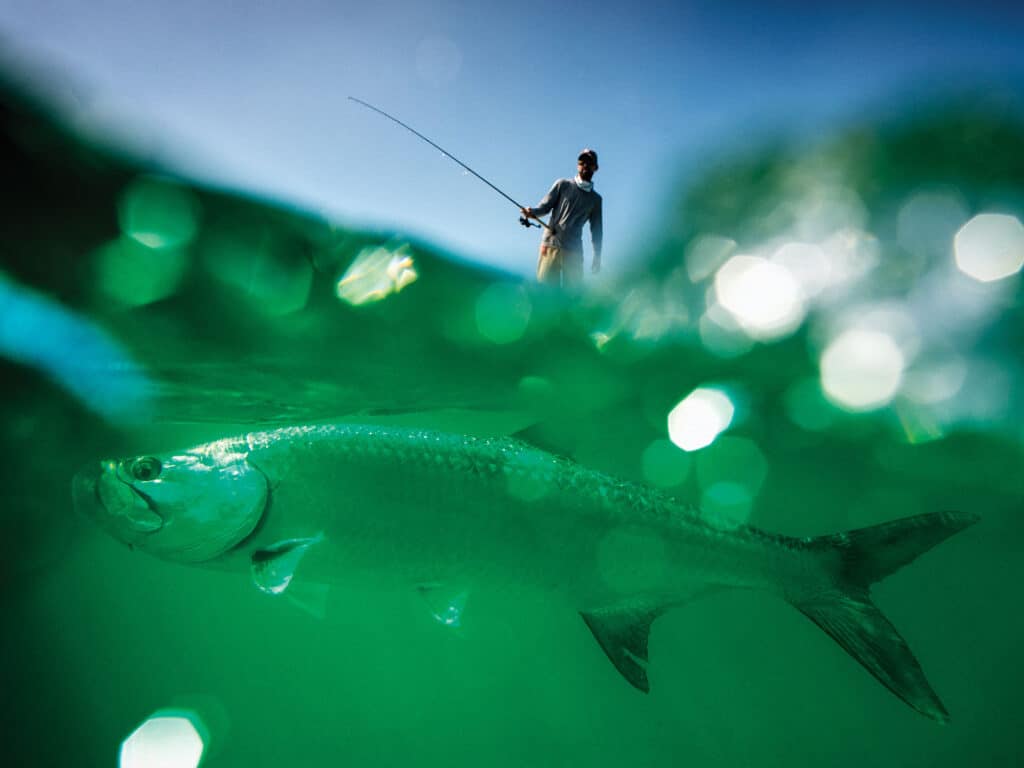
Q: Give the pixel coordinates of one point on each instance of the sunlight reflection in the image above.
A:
(919, 423)
(721, 335)
(134, 274)
(990, 247)
(705, 254)
(928, 221)
(699, 418)
(763, 296)
(861, 370)
(375, 274)
(808, 264)
(852, 253)
(261, 264)
(935, 381)
(159, 213)
(823, 208)
(165, 740)
(648, 312)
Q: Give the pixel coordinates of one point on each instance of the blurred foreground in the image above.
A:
(824, 338)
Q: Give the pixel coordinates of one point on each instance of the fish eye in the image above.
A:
(146, 468)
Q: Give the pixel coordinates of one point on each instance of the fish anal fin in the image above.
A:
(622, 634)
(622, 630)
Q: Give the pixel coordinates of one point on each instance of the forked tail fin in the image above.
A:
(857, 559)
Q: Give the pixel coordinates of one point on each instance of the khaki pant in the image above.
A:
(556, 266)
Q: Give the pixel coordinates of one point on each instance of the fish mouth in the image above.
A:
(99, 493)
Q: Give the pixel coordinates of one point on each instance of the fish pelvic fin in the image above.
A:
(856, 560)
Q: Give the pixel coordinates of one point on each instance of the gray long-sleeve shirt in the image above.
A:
(572, 208)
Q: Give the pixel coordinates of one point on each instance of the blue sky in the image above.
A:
(252, 95)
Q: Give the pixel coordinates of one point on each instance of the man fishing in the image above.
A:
(573, 203)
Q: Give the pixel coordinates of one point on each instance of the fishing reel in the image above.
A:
(526, 222)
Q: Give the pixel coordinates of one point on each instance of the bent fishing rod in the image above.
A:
(522, 219)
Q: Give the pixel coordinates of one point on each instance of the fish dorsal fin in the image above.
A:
(622, 630)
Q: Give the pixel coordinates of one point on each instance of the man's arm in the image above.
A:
(549, 201)
(596, 236)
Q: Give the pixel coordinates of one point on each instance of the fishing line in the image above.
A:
(522, 219)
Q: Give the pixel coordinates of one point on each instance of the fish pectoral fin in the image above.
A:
(446, 604)
(274, 567)
(622, 630)
(309, 597)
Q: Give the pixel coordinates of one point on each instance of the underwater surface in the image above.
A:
(825, 337)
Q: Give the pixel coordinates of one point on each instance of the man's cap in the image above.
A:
(589, 154)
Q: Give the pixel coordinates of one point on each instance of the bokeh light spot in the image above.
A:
(807, 263)
(720, 334)
(134, 274)
(928, 221)
(861, 370)
(267, 267)
(699, 418)
(936, 381)
(165, 740)
(664, 464)
(763, 296)
(158, 213)
(503, 312)
(376, 273)
(990, 247)
(726, 505)
(705, 254)
(807, 407)
(733, 461)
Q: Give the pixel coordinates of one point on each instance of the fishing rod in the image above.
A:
(522, 219)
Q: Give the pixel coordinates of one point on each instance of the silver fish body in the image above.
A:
(418, 507)
(428, 506)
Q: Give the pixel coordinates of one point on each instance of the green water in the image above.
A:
(198, 314)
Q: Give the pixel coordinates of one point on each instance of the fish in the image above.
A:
(447, 512)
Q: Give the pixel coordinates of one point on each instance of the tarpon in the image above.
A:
(426, 508)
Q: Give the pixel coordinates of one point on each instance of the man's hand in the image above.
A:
(526, 213)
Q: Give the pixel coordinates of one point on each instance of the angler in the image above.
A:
(573, 201)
